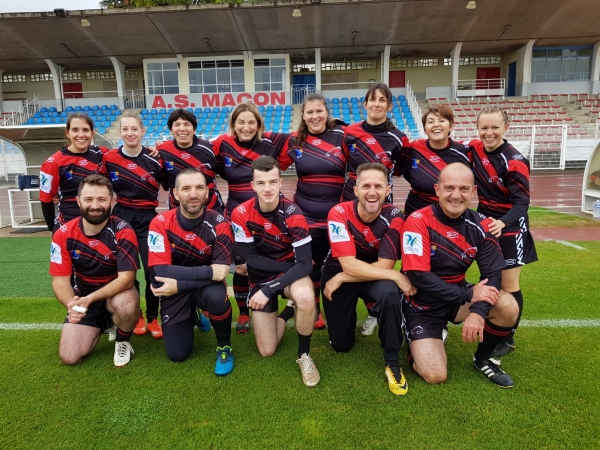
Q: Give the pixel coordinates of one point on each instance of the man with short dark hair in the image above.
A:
(93, 263)
(439, 244)
(190, 253)
(365, 245)
(273, 234)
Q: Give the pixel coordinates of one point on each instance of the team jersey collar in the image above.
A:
(439, 213)
(189, 224)
(124, 154)
(247, 145)
(98, 233)
(66, 150)
(502, 147)
(382, 127)
(263, 213)
(355, 206)
(450, 144)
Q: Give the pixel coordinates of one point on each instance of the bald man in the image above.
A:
(439, 244)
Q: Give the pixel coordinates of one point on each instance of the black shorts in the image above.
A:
(273, 303)
(427, 322)
(97, 316)
(139, 219)
(517, 244)
(182, 306)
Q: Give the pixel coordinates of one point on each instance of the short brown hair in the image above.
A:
(371, 166)
(265, 164)
(95, 180)
(243, 107)
(188, 171)
(182, 114)
(493, 110)
(443, 110)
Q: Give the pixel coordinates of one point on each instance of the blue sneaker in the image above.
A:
(203, 323)
(224, 363)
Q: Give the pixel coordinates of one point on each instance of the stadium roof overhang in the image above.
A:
(356, 30)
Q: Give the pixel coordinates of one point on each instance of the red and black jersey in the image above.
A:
(364, 143)
(199, 156)
(424, 170)
(136, 179)
(235, 159)
(502, 179)
(442, 250)
(61, 174)
(321, 168)
(368, 242)
(275, 234)
(93, 260)
(169, 243)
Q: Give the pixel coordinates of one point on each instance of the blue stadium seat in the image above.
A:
(344, 100)
(225, 110)
(150, 129)
(37, 115)
(78, 108)
(56, 119)
(52, 109)
(146, 123)
(37, 120)
(45, 114)
(112, 118)
(201, 121)
(216, 109)
(279, 108)
(30, 121)
(117, 112)
(164, 111)
(153, 111)
(43, 109)
(270, 108)
(69, 109)
(101, 130)
(288, 108)
(144, 111)
(113, 107)
(63, 114)
(107, 112)
(335, 101)
(95, 108)
(103, 107)
(46, 120)
(261, 110)
(171, 110)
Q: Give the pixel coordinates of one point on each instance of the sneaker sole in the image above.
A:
(156, 335)
(123, 365)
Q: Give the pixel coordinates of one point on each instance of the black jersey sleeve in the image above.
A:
(262, 263)
(436, 287)
(301, 268)
(184, 273)
(188, 285)
(49, 212)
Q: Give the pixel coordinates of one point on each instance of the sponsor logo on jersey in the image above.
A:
(416, 215)
(371, 141)
(75, 254)
(83, 162)
(339, 209)
(238, 231)
(185, 156)
(299, 152)
(69, 175)
(366, 231)
(169, 165)
(267, 226)
(415, 163)
(412, 243)
(241, 209)
(352, 148)
(93, 243)
(109, 256)
(228, 161)
(114, 176)
(395, 212)
(244, 152)
(165, 318)
(55, 254)
(517, 157)
(290, 209)
(156, 242)
(485, 161)
(63, 228)
(338, 232)
(190, 237)
(132, 166)
(434, 159)
(51, 159)
(317, 142)
(496, 180)
(121, 225)
(469, 253)
(417, 330)
(452, 234)
(160, 218)
(45, 182)
(220, 218)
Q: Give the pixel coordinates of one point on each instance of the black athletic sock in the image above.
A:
(492, 334)
(304, 344)
(240, 291)
(222, 328)
(510, 339)
(318, 298)
(123, 336)
(287, 313)
(392, 360)
(150, 318)
(369, 305)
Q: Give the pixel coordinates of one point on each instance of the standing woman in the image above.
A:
(136, 178)
(502, 178)
(316, 149)
(429, 156)
(374, 140)
(244, 142)
(61, 173)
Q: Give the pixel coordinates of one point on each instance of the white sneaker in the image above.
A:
(444, 335)
(123, 353)
(112, 333)
(310, 374)
(369, 326)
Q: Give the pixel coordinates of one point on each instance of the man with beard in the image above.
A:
(365, 245)
(190, 253)
(93, 263)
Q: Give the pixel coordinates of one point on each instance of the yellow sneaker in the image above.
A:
(398, 387)
(140, 327)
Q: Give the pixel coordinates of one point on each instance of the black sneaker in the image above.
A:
(503, 348)
(491, 368)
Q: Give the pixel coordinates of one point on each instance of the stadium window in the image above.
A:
(216, 76)
(13, 78)
(416, 62)
(100, 75)
(475, 61)
(40, 77)
(270, 74)
(71, 76)
(131, 74)
(163, 78)
(561, 64)
(333, 66)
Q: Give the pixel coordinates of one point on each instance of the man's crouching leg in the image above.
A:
(76, 342)
(429, 360)
(124, 308)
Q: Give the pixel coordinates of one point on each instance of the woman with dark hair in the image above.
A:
(374, 140)
(61, 173)
(136, 178)
(502, 179)
(429, 156)
(244, 142)
(316, 151)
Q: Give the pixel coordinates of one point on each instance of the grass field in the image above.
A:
(156, 403)
(546, 218)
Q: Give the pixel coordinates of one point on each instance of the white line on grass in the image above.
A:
(569, 244)
(548, 323)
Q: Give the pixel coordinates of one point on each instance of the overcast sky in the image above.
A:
(11, 6)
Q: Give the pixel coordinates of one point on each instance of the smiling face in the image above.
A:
(132, 132)
(245, 126)
(437, 129)
(267, 186)
(183, 132)
(377, 107)
(80, 135)
(191, 193)
(314, 115)
(455, 189)
(95, 203)
(491, 128)
(371, 188)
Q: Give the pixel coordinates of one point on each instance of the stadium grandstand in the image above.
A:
(539, 60)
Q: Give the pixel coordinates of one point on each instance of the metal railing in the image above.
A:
(488, 87)
(90, 94)
(19, 117)
(346, 86)
(135, 99)
(415, 110)
(299, 91)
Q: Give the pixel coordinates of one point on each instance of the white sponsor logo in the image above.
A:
(291, 209)
(412, 243)
(161, 218)
(190, 237)
(485, 161)
(416, 214)
(156, 242)
(83, 162)
(371, 141)
(45, 182)
(317, 142)
(339, 209)
(452, 234)
(338, 232)
(51, 159)
(268, 226)
(434, 159)
(55, 253)
(93, 243)
(517, 157)
(241, 209)
(510, 262)
(185, 156)
(132, 166)
(237, 230)
(395, 212)
(220, 218)
(121, 225)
